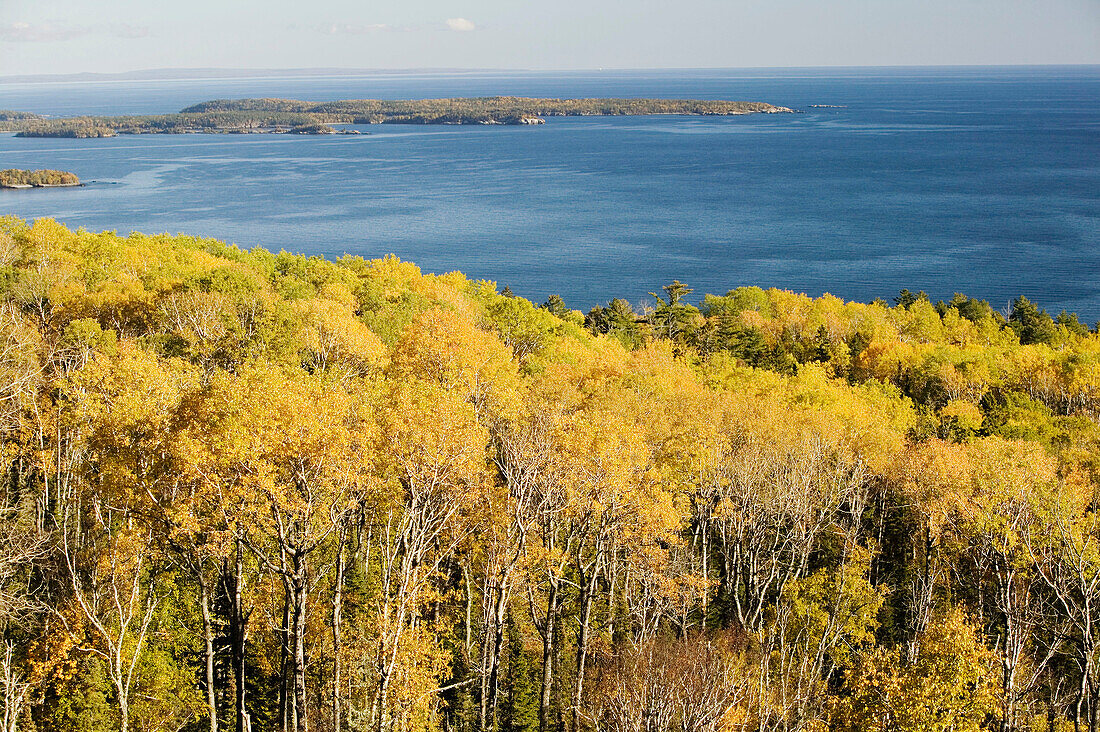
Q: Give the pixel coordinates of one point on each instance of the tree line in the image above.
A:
(13, 177)
(256, 491)
(233, 115)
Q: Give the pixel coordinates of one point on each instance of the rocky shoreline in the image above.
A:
(23, 186)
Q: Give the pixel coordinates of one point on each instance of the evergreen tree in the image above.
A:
(906, 298)
(1031, 323)
(520, 708)
(556, 306)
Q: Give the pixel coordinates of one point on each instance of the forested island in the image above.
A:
(247, 490)
(15, 178)
(7, 115)
(288, 115)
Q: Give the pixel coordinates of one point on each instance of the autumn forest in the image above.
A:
(247, 491)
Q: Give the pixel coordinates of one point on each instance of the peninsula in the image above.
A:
(15, 178)
(290, 115)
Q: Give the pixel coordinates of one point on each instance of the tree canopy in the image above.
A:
(260, 491)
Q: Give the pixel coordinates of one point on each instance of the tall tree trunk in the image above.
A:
(123, 710)
(705, 551)
(383, 701)
(286, 698)
(1089, 684)
(612, 577)
(469, 628)
(548, 657)
(499, 614)
(337, 630)
(301, 719)
(487, 636)
(208, 636)
(587, 596)
(1014, 641)
(238, 630)
(1077, 706)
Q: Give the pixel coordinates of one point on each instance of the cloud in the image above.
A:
(460, 24)
(54, 32)
(41, 32)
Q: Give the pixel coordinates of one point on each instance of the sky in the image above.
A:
(72, 36)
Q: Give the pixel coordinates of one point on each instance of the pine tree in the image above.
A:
(520, 708)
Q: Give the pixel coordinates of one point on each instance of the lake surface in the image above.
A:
(977, 180)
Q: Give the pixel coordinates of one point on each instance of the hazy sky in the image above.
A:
(66, 36)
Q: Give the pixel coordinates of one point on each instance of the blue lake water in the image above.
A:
(977, 180)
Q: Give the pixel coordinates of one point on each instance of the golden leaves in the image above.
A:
(433, 442)
(949, 688)
(334, 338)
(445, 348)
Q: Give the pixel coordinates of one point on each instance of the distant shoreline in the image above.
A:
(25, 186)
(294, 116)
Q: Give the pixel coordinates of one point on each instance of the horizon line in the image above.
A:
(226, 72)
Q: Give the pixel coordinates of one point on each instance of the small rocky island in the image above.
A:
(15, 178)
(293, 116)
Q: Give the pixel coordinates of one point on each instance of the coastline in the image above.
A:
(24, 186)
(280, 116)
